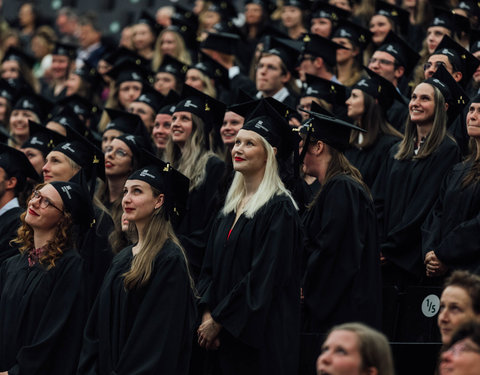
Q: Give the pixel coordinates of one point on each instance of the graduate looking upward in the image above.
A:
(250, 281)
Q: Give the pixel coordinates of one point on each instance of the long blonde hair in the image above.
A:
(434, 139)
(193, 159)
(181, 54)
(270, 186)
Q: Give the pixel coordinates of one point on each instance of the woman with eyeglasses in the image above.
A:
(43, 301)
(463, 355)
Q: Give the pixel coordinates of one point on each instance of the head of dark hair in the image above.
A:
(470, 283)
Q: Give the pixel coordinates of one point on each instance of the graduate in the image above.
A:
(450, 231)
(250, 281)
(411, 182)
(42, 295)
(142, 320)
(15, 169)
(341, 281)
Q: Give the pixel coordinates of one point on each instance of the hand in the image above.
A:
(434, 266)
(4, 373)
(208, 332)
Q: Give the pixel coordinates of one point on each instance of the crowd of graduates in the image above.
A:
(226, 188)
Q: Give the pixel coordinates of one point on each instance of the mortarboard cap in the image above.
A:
(267, 122)
(16, 54)
(65, 49)
(151, 97)
(451, 21)
(128, 70)
(398, 15)
(472, 7)
(322, 9)
(65, 116)
(76, 201)
(42, 138)
(459, 57)
(301, 4)
(122, 54)
(90, 74)
(286, 49)
(147, 19)
(80, 105)
(35, 103)
(226, 43)
(357, 34)
(332, 92)
(225, 8)
(212, 69)
(170, 182)
(128, 123)
(268, 5)
(401, 51)
(332, 131)
(16, 164)
(186, 25)
(169, 102)
(319, 46)
(7, 91)
(135, 143)
(174, 67)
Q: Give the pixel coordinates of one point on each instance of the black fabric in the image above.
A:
(42, 315)
(397, 115)
(196, 224)
(342, 260)
(452, 227)
(9, 224)
(251, 284)
(369, 161)
(405, 193)
(142, 331)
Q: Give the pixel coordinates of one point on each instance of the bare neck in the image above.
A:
(6, 197)
(252, 182)
(423, 131)
(344, 70)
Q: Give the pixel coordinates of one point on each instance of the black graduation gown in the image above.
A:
(250, 282)
(453, 225)
(369, 161)
(404, 195)
(9, 224)
(143, 331)
(196, 224)
(42, 315)
(397, 115)
(342, 276)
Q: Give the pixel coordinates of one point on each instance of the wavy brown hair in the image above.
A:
(61, 240)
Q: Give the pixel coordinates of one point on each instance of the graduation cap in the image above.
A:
(84, 153)
(450, 89)
(451, 21)
(147, 19)
(77, 202)
(267, 122)
(169, 102)
(89, 74)
(286, 49)
(185, 26)
(16, 164)
(7, 91)
(379, 88)
(151, 97)
(474, 41)
(401, 51)
(35, 103)
(15, 54)
(357, 34)
(167, 180)
(122, 54)
(332, 131)
(470, 6)
(225, 8)
(20, 85)
(66, 117)
(128, 70)
(42, 138)
(226, 43)
(319, 46)
(80, 105)
(331, 92)
(300, 4)
(210, 110)
(65, 49)
(128, 123)
(459, 57)
(134, 142)
(398, 15)
(174, 67)
(322, 9)
(267, 5)
(212, 69)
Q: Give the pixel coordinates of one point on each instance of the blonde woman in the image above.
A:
(250, 282)
(170, 42)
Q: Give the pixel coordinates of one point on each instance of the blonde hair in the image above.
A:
(434, 138)
(181, 52)
(156, 233)
(209, 88)
(270, 186)
(192, 160)
(373, 347)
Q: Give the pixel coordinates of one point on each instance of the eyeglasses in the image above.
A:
(118, 152)
(437, 64)
(374, 60)
(43, 201)
(462, 347)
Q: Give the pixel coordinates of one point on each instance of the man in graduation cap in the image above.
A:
(15, 169)
(274, 72)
